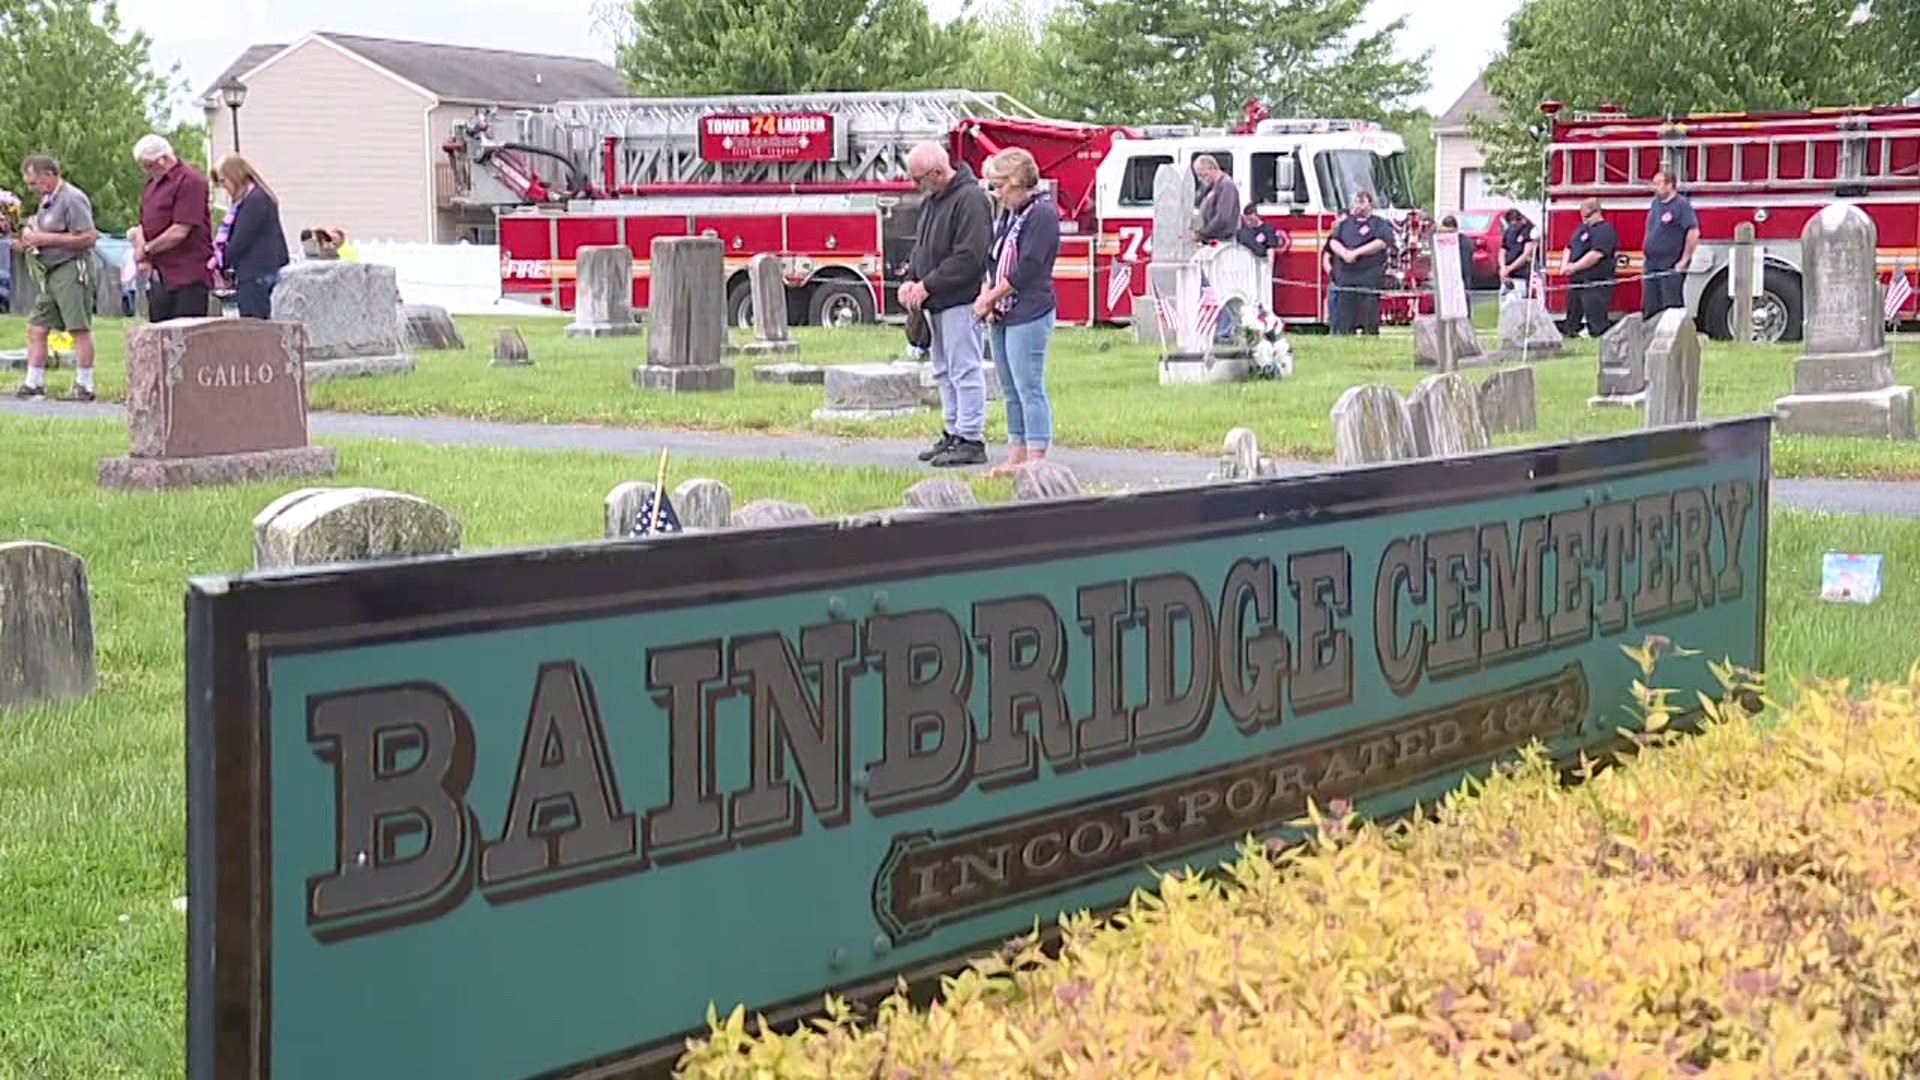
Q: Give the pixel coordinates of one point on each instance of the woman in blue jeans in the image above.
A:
(1017, 301)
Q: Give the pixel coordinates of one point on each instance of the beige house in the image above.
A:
(348, 130)
(1459, 178)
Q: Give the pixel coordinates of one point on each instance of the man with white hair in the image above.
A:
(176, 229)
(945, 274)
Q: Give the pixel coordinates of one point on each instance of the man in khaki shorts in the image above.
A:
(58, 239)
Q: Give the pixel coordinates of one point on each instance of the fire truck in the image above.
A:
(820, 180)
(1773, 169)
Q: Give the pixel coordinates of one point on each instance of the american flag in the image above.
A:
(1169, 319)
(1121, 276)
(652, 519)
(1899, 291)
(1207, 318)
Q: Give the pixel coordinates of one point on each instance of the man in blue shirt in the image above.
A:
(1673, 231)
(1359, 261)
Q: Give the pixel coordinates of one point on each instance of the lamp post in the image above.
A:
(234, 93)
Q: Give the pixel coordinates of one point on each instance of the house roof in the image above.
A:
(461, 73)
(1475, 100)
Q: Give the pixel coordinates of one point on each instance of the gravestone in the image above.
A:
(603, 292)
(1038, 481)
(791, 374)
(352, 313)
(1507, 402)
(108, 295)
(46, 625)
(1146, 326)
(1371, 425)
(215, 401)
(429, 326)
(1240, 457)
(622, 507)
(1467, 347)
(1623, 362)
(767, 282)
(770, 513)
(319, 526)
(930, 387)
(701, 503)
(510, 348)
(870, 391)
(1673, 370)
(1445, 411)
(1843, 380)
(25, 292)
(686, 317)
(941, 493)
(16, 359)
(1528, 332)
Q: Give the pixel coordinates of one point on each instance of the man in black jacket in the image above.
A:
(944, 276)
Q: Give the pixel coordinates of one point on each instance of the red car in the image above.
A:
(1483, 227)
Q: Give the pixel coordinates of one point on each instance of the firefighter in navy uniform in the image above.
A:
(1359, 263)
(1590, 268)
(1516, 254)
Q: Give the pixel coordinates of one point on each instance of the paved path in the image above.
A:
(1129, 468)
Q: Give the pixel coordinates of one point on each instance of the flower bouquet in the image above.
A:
(10, 210)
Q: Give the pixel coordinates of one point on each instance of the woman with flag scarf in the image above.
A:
(1017, 301)
(250, 249)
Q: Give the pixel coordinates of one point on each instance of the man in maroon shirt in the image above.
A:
(176, 233)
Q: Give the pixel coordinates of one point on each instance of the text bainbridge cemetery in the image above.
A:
(753, 767)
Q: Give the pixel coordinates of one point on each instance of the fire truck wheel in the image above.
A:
(1777, 311)
(740, 305)
(838, 303)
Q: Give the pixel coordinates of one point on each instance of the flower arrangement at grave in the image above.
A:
(10, 211)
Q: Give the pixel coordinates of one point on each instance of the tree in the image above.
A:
(692, 47)
(74, 83)
(1662, 57)
(998, 49)
(1415, 128)
(1198, 61)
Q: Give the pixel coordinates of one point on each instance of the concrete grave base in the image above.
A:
(148, 474)
(602, 330)
(1875, 414)
(1195, 370)
(756, 347)
(353, 367)
(676, 380)
(829, 413)
(1617, 401)
(1836, 373)
(791, 374)
(16, 360)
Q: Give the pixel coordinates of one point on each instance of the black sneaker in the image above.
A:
(78, 393)
(962, 452)
(939, 446)
(25, 391)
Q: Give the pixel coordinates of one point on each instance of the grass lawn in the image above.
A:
(1105, 391)
(92, 852)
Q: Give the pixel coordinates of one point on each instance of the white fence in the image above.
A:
(463, 278)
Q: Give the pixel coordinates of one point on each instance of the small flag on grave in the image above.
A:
(656, 515)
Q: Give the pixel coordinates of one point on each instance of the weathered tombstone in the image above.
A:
(1146, 326)
(1843, 380)
(1445, 411)
(1623, 362)
(790, 374)
(701, 503)
(1467, 347)
(767, 283)
(769, 513)
(1673, 370)
(1370, 426)
(25, 291)
(1507, 402)
(429, 326)
(212, 401)
(352, 524)
(941, 493)
(46, 625)
(1174, 240)
(1527, 332)
(108, 297)
(686, 317)
(352, 313)
(870, 391)
(510, 348)
(623, 505)
(1037, 481)
(603, 292)
(1240, 457)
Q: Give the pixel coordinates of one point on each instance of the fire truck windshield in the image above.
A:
(1345, 173)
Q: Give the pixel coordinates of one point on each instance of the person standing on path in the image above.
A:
(1018, 302)
(1673, 231)
(949, 259)
(58, 241)
(176, 224)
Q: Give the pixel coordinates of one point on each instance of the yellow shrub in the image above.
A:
(1744, 899)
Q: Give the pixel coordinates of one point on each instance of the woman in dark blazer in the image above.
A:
(251, 248)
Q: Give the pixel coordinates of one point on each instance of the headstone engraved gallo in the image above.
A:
(603, 292)
(1445, 411)
(215, 401)
(702, 503)
(1371, 425)
(940, 493)
(46, 625)
(352, 313)
(1673, 370)
(871, 391)
(322, 526)
(1507, 401)
(1843, 380)
(430, 326)
(686, 317)
(767, 284)
(1528, 333)
(1038, 481)
(1623, 362)
(771, 513)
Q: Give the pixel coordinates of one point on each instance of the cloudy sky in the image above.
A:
(204, 35)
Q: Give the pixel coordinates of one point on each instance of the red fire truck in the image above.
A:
(1775, 170)
(821, 181)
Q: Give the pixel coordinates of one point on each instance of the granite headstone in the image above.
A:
(1371, 425)
(1843, 380)
(1673, 370)
(353, 315)
(46, 625)
(686, 317)
(603, 292)
(1445, 412)
(320, 526)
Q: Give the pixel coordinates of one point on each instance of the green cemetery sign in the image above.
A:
(529, 812)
